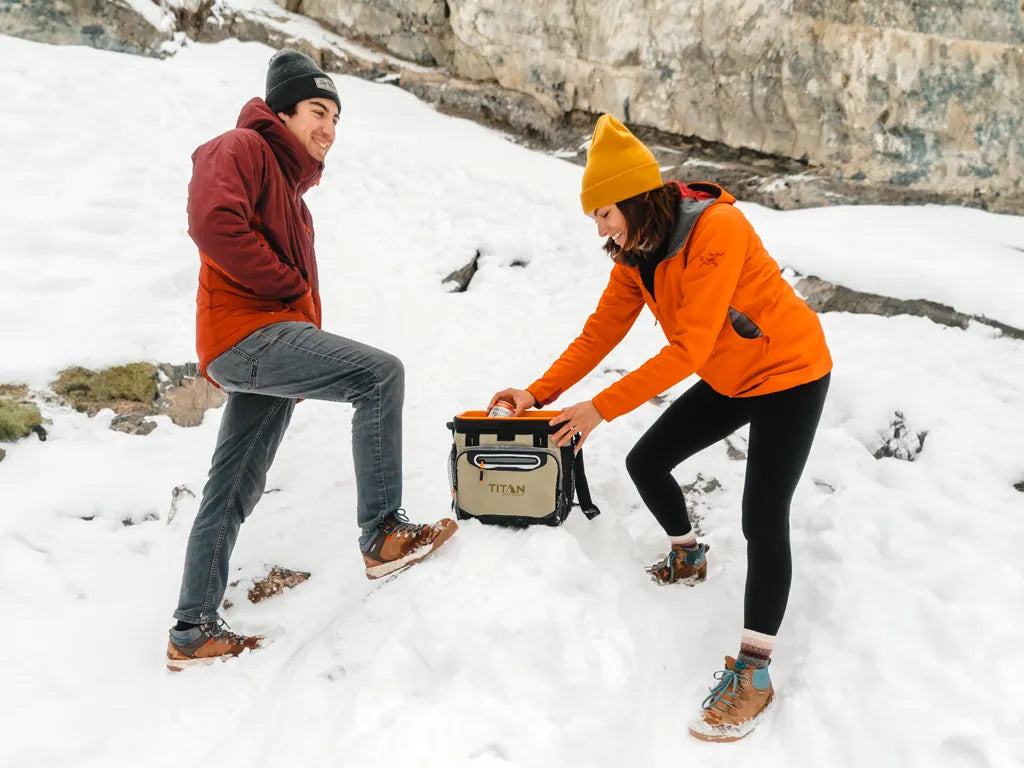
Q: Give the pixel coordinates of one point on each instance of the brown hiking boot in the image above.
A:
(399, 543)
(736, 704)
(686, 566)
(205, 644)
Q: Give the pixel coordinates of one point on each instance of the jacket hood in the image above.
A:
(300, 168)
(696, 198)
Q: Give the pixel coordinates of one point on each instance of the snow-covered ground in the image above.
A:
(545, 647)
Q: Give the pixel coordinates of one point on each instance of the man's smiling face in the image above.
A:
(313, 125)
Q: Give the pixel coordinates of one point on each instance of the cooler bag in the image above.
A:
(508, 471)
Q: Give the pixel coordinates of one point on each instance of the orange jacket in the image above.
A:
(253, 231)
(726, 312)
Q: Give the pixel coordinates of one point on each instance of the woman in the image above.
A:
(690, 256)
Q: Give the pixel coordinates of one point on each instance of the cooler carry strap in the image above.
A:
(582, 487)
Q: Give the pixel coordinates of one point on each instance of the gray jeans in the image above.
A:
(264, 374)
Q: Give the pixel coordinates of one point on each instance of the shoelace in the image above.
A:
(729, 684)
(669, 562)
(221, 630)
(400, 524)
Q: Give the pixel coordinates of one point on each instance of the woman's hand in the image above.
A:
(518, 397)
(582, 418)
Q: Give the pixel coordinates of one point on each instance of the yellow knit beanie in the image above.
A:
(619, 166)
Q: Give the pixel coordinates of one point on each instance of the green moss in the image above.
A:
(88, 390)
(17, 420)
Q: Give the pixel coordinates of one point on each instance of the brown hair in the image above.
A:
(650, 217)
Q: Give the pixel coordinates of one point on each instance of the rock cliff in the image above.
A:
(847, 100)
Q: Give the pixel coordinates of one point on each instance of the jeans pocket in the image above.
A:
(234, 370)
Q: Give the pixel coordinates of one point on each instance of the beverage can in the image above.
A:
(502, 410)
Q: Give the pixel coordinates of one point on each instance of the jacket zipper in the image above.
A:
(654, 301)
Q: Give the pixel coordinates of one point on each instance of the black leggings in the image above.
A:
(782, 427)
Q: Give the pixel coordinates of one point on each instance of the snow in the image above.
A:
(969, 259)
(533, 648)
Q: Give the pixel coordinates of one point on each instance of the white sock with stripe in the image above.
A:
(756, 648)
(689, 541)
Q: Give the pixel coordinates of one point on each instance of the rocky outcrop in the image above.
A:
(899, 98)
(113, 25)
(185, 395)
(138, 390)
(458, 281)
(800, 103)
(417, 30)
(915, 96)
(823, 296)
(996, 21)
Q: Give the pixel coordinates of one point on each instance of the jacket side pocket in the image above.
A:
(743, 325)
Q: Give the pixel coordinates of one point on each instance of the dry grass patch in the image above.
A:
(17, 420)
(116, 388)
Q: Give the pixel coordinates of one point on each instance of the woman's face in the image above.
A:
(610, 223)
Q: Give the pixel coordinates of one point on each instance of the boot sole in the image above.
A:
(394, 566)
(180, 665)
(689, 581)
(737, 733)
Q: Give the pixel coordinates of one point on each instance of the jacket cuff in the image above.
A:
(608, 407)
(541, 395)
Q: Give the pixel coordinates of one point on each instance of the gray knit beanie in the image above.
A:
(292, 77)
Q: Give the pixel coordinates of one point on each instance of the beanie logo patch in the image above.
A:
(325, 84)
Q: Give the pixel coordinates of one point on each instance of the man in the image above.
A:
(258, 336)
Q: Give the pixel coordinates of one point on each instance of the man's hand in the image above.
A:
(519, 397)
(582, 417)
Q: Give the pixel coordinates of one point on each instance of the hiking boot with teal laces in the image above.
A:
(682, 566)
(736, 703)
